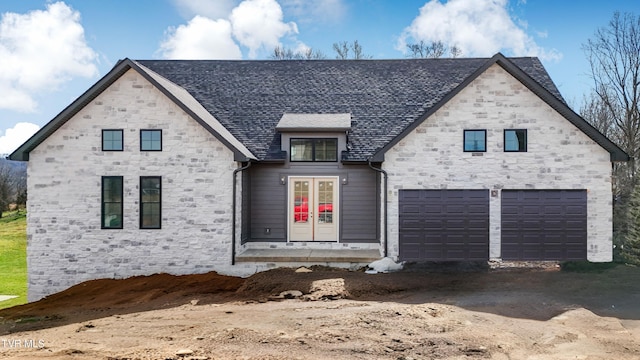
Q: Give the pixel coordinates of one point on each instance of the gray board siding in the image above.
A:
(267, 198)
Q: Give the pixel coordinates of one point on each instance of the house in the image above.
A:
(241, 166)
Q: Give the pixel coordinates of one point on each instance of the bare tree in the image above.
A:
(343, 50)
(435, 49)
(455, 51)
(595, 111)
(614, 57)
(282, 53)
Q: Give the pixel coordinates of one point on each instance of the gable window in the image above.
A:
(320, 150)
(515, 140)
(112, 140)
(150, 140)
(475, 140)
(150, 202)
(111, 202)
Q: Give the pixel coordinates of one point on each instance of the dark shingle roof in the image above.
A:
(241, 102)
(384, 97)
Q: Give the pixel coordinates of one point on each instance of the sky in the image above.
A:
(53, 51)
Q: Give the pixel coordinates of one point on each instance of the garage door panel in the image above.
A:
(553, 210)
(544, 224)
(455, 224)
(410, 209)
(554, 225)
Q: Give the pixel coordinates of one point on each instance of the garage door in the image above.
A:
(444, 225)
(544, 224)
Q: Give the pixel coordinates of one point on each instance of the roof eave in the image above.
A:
(313, 129)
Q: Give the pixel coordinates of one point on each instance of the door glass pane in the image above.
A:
(301, 201)
(325, 202)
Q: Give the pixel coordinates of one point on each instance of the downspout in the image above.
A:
(233, 221)
(386, 229)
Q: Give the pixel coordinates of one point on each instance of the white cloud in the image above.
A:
(16, 135)
(255, 24)
(477, 27)
(201, 38)
(212, 9)
(258, 24)
(325, 11)
(39, 51)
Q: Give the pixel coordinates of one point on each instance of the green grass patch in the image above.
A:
(587, 266)
(13, 257)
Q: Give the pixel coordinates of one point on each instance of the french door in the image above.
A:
(313, 209)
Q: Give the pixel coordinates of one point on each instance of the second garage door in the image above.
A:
(544, 224)
(444, 225)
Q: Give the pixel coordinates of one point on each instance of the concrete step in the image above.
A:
(308, 255)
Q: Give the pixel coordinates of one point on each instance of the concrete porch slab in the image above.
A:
(308, 255)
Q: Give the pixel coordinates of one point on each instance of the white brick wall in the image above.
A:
(65, 242)
(559, 156)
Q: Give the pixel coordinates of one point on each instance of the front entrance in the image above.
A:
(313, 209)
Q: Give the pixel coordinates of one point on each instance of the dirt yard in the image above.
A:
(418, 313)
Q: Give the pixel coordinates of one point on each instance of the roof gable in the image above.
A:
(175, 93)
(547, 92)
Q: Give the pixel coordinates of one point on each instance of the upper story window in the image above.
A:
(515, 140)
(320, 150)
(112, 140)
(150, 140)
(475, 140)
(111, 202)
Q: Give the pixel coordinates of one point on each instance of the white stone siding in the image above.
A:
(559, 156)
(66, 244)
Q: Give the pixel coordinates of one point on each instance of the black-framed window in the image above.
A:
(151, 140)
(311, 149)
(111, 202)
(112, 140)
(515, 140)
(150, 202)
(475, 140)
